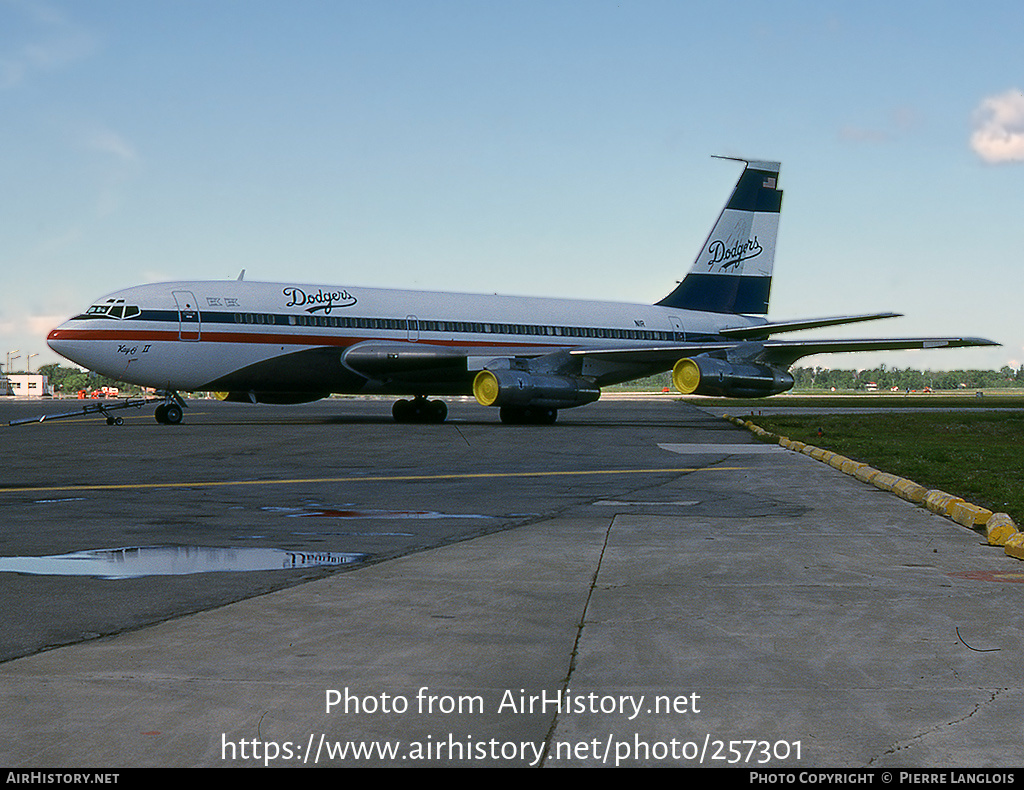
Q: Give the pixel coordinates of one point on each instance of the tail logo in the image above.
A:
(734, 255)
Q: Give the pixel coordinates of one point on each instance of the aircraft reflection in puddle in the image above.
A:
(127, 563)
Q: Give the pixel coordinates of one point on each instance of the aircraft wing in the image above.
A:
(748, 368)
(376, 358)
(573, 376)
(774, 352)
(786, 352)
(773, 328)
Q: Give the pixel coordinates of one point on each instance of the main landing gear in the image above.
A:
(419, 410)
(171, 411)
(527, 415)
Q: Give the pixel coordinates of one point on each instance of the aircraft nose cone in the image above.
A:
(56, 341)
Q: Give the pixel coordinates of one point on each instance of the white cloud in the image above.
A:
(999, 128)
(109, 142)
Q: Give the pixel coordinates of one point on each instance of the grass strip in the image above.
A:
(943, 402)
(976, 455)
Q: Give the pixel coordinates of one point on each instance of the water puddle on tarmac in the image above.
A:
(130, 563)
(347, 512)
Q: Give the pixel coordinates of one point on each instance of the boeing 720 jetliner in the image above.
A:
(292, 343)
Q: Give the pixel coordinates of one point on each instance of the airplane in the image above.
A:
(287, 342)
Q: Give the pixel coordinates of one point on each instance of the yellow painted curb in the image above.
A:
(999, 529)
(1015, 545)
(969, 515)
(851, 467)
(866, 473)
(910, 491)
(821, 454)
(837, 461)
(885, 481)
(939, 501)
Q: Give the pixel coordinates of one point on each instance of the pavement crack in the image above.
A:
(576, 642)
(899, 746)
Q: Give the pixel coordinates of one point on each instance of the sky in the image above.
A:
(538, 148)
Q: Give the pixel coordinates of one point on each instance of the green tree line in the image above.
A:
(67, 381)
(907, 379)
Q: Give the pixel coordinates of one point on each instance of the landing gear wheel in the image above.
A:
(419, 410)
(402, 411)
(527, 415)
(168, 414)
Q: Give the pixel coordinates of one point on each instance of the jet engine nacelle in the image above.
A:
(710, 376)
(520, 388)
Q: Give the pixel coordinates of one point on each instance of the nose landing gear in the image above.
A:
(170, 412)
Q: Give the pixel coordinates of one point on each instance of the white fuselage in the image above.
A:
(207, 334)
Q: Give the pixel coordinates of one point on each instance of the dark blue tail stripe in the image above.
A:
(755, 191)
(721, 293)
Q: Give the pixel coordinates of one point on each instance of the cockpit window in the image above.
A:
(114, 308)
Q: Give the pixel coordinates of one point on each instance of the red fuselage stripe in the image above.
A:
(124, 336)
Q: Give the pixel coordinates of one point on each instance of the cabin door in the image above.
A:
(189, 327)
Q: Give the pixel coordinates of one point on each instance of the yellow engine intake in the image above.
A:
(486, 388)
(686, 376)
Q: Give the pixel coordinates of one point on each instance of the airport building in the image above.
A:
(25, 385)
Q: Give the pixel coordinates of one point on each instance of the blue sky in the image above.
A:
(549, 148)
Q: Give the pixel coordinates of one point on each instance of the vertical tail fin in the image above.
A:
(733, 270)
